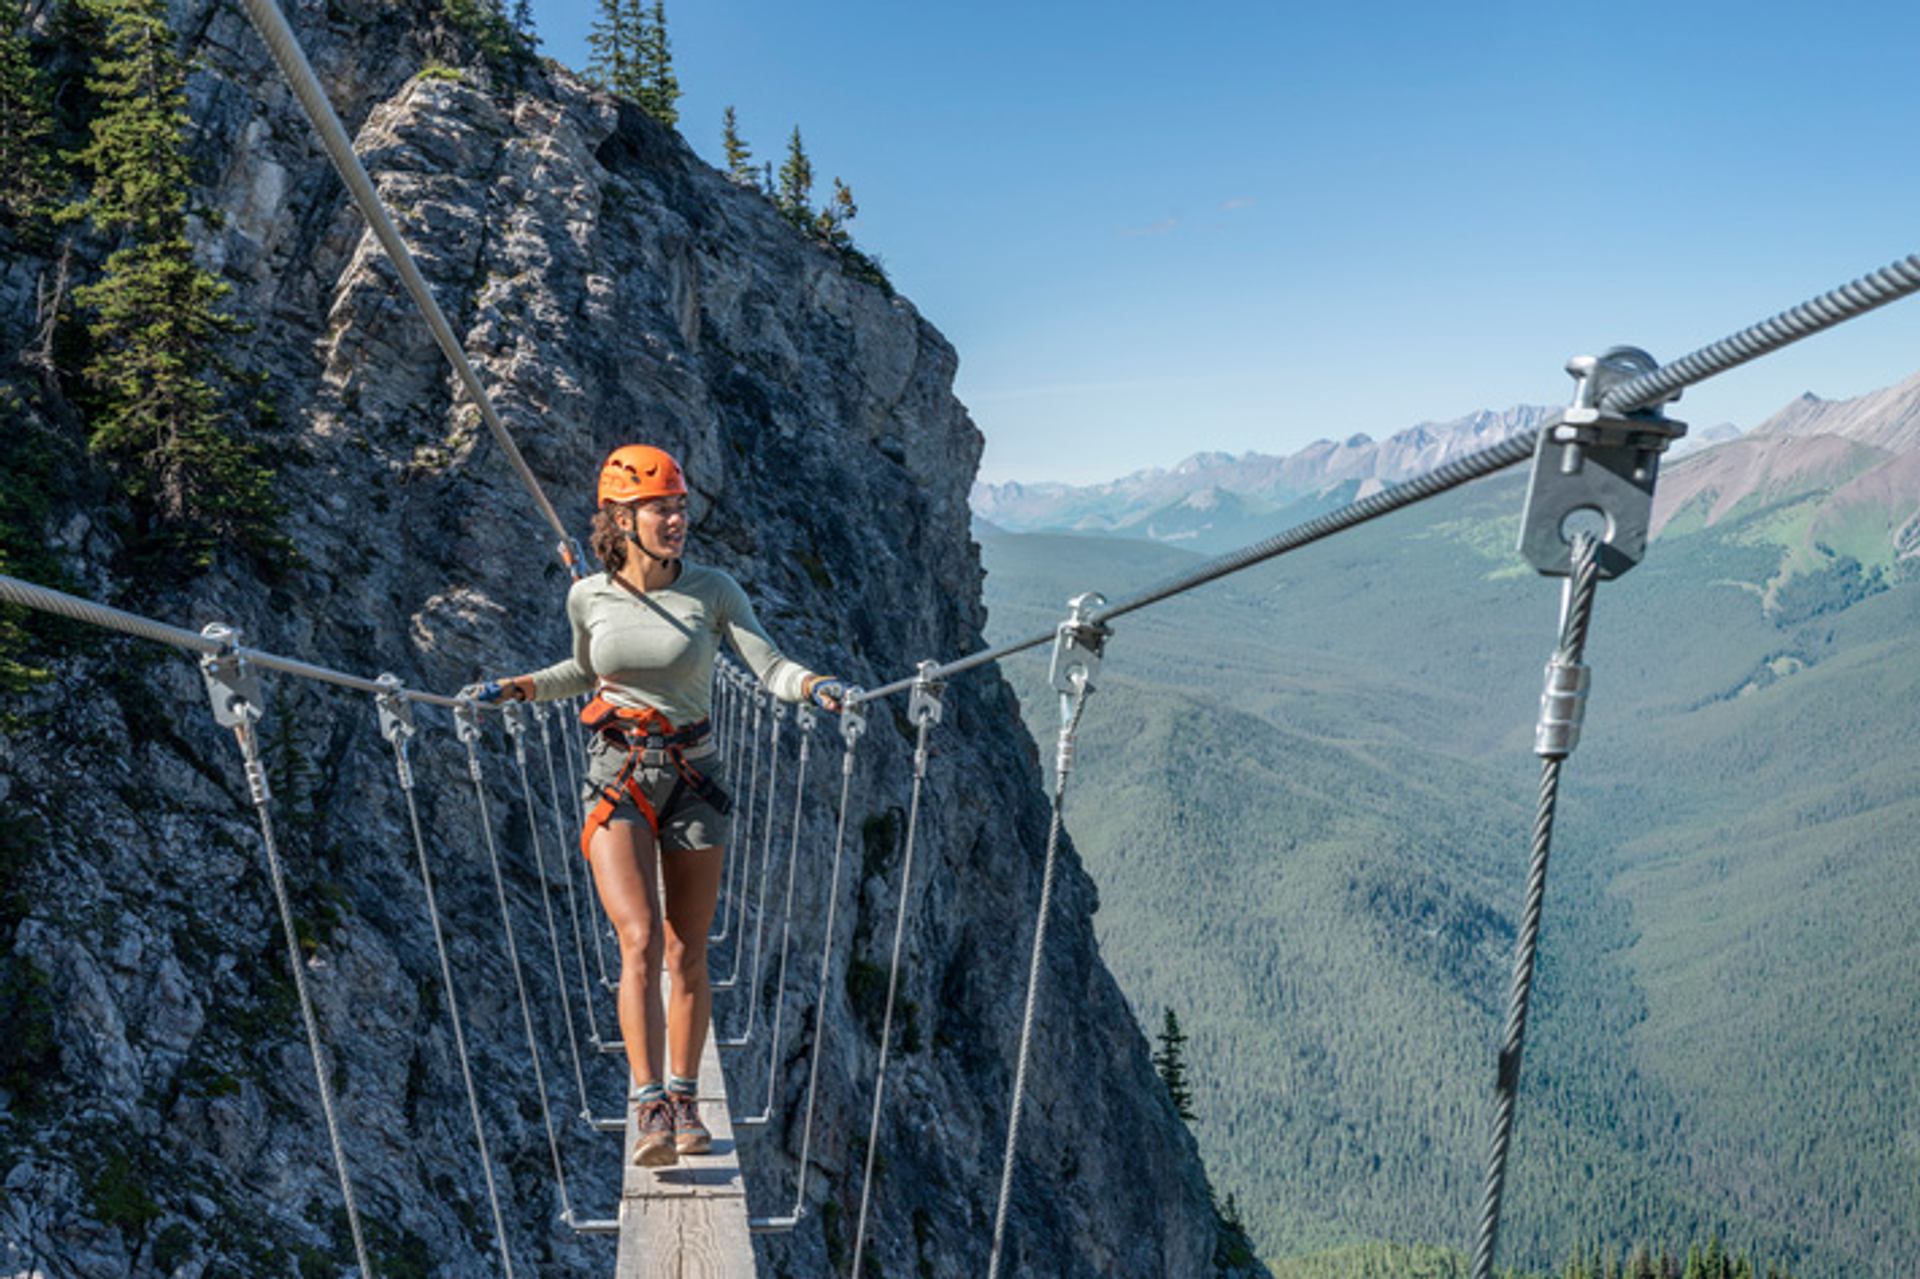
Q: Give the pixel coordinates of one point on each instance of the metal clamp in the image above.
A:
(923, 704)
(779, 710)
(803, 719)
(1563, 707)
(1077, 646)
(396, 724)
(1592, 461)
(513, 717)
(232, 683)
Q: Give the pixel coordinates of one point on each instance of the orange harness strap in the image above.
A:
(644, 729)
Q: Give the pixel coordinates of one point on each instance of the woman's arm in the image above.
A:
(790, 681)
(568, 678)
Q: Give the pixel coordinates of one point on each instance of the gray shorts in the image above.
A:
(693, 823)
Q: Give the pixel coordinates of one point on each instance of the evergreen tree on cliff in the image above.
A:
(795, 195)
(26, 132)
(739, 158)
(656, 89)
(1171, 1062)
(609, 65)
(155, 378)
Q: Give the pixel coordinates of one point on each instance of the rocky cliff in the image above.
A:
(159, 1114)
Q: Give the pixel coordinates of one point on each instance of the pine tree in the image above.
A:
(656, 88)
(1171, 1062)
(26, 132)
(738, 156)
(523, 22)
(796, 183)
(155, 374)
(831, 222)
(610, 64)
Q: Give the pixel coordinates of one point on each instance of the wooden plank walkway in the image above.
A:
(688, 1221)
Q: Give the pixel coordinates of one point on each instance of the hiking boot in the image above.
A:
(654, 1149)
(690, 1136)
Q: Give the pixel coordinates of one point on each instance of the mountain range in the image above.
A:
(1213, 501)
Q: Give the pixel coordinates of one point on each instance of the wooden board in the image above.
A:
(688, 1221)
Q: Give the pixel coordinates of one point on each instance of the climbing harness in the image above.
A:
(778, 711)
(923, 712)
(1593, 462)
(651, 741)
(853, 724)
(1077, 647)
(234, 689)
(803, 720)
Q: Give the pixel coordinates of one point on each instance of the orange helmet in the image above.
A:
(635, 472)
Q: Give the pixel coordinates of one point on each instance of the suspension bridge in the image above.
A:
(1594, 470)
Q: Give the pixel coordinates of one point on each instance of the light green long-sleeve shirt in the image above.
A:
(657, 648)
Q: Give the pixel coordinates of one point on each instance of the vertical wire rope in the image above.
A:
(249, 742)
(519, 730)
(893, 986)
(826, 967)
(453, 999)
(573, 899)
(766, 865)
(786, 923)
(752, 746)
(1072, 727)
(546, 904)
(1576, 615)
(729, 765)
(505, 926)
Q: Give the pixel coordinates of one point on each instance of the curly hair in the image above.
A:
(608, 540)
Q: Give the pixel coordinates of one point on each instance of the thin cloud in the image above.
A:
(1238, 202)
(1160, 227)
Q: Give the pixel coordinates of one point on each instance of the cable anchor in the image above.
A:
(1077, 647)
(853, 724)
(513, 719)
(924, 710)
(233, 686)
(396, 723)
(466, 727)
(1590, 460)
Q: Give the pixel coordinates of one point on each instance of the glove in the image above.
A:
(495, 691)
(826, 692)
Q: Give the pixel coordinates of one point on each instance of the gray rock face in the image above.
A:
(611, 287)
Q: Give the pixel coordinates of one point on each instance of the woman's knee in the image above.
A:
(640, 942)
(687, 959)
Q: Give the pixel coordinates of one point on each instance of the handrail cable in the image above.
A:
(553, 929)
(1076, 659)
(46, 600)
(467, 726)
(1896, 280)
(777, 711)
(924, 712)
(292, 61)
(583, 742)
(398, 734)
(237, 704)
(728, 702)
(803, 719)
(853, 723)
(752, 746)
(1561, 707)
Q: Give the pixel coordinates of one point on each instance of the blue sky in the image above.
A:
(1251, 225)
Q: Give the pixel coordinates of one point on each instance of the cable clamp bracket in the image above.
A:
(466, 727)
(1595, 463)
(1563, 707)
(396, 724)
(803, 719)
(233, 686)
(853, 723)
(1077, 647)
(923, 703)
(513, 717)
(779, 711)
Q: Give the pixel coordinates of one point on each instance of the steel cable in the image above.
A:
(405, 771)
(245, 733)
(1080, 689)
(573, 899)
(804, 721)
(546, 905)
(766, 865)
(1890, 283)
(729, 769)
(1576, 615)
(746, 876)
(893, 986)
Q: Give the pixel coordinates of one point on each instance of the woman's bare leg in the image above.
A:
(623, 858)
(692, 879)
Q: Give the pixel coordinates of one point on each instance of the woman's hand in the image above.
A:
(495, 691)
(824, 691)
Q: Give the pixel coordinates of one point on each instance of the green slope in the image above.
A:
(1305, 793)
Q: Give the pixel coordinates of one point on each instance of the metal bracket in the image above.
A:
(853, 715)
(1591, 461)
(396, 710)
(778, 709)
(513, 717)
(1077, 646)
(803, 719)
(232, 684)
(923, 704)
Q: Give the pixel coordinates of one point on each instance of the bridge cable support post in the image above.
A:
(853, 726)
(777, 709)
(1591, 465)
(233, 687)
(924, 712)
(1078, 644)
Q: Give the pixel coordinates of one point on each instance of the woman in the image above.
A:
(645, 633)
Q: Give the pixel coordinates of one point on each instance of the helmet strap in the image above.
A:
(634, 537)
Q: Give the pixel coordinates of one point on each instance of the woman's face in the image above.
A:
(661, 525)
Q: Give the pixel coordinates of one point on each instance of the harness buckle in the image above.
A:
(1592, 461)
